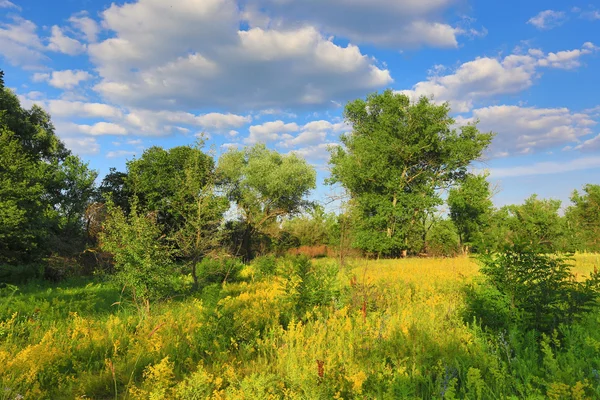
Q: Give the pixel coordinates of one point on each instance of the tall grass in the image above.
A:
(377, 329)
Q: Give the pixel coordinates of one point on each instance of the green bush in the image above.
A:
(540, 288)
(309, 284)
(143, 259)
(16, 274)
(265, 266)
(211, 270)
(443, 240)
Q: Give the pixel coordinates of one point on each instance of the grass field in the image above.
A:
(388, 329)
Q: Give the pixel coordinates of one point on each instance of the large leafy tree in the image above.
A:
(265, 186)
(584, 215)
(155, 178)
(394, 163)
(470, 209)
(537, 224)
(44, 187)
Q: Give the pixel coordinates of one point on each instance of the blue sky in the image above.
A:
(120, 77)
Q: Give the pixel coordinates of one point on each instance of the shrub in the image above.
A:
(308, 284)
(265, 265)
(211, 270)
(143, 259)
(540, 287)
(20, 274)
(443, 240)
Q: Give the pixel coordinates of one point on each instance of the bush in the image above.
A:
(265, 265)
(211, 270)
(308, 284)
(16, 274)
(443, 240)
(539, 287)
(143, 260)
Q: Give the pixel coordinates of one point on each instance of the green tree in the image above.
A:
(585, 217)
(265, 186)
(143, 258)
(115, 185)
(201, 210)
(537, 224)
(44, 187)
(395, 161)
(470, 209)
(156, 176)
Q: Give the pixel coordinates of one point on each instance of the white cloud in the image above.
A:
(8, 4)
(270, 131)
(64, 109)
(528, 129)
(120, 153)
(70, 129)
(178, 55)
(87, 26)
(487, 77)
(163, 122)
(591, 14)
(82, 146)
(592, 144)
(394, 24)
(548, 19)
(315, 133)
(64, 44)
(317, 154)
(20, 44)
(547, 168)
(66, 79)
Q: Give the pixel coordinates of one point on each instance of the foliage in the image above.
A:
(115, 186)
(143, 260)
(443, 239)
(156, 178)
(541, 288)
(265, 186)
(211, 270)
(585, 216)
(393, 164)
(402, 339)
(470, 209)
(44, 190)
(537, 223)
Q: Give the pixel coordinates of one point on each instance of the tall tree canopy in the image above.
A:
(156, 178)
(585, 216)
(394, 162)
(44, 189)
(265, 185)
(470, 209)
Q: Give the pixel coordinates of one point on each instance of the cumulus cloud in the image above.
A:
(8, 4)
(270, 131)
(548, 19)
(87, 26)
(19, 43)
(315, 133)
(192, 54)
(487, 77)
(523, 130)
(82, 145)
(67, 79)
(394, 24)
(61, 43)
(70, 129)
(547, 168)
(590, 145)
(120, 153)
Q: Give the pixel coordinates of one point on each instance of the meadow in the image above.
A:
(289, 328)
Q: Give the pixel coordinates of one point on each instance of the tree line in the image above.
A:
(171, 209)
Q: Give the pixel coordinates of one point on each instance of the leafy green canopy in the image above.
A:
(585, 216)
(471, 208)
(44, 189)
(265, 185)
(394, 162)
